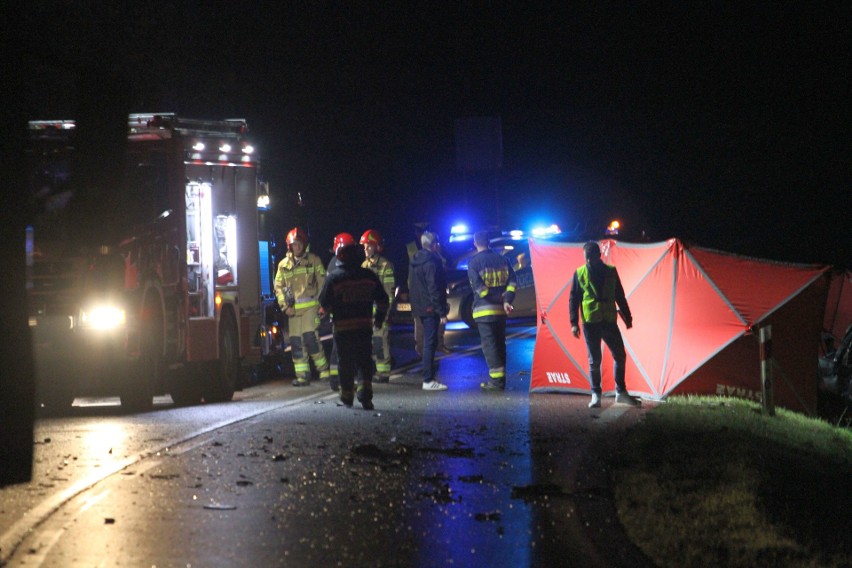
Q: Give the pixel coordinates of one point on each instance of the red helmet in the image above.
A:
(341, 241)
(296, 234)
(373, 237)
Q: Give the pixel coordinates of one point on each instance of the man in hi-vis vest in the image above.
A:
(595, 293)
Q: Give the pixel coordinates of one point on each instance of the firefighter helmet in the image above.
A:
(341, 242)
(373, 237)
(296, 234)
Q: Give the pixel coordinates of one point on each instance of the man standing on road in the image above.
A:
(428, 295)
(412, 248)
(595, 293)
(358, 304)
(383, 268)
(493, 283)
(298, 281)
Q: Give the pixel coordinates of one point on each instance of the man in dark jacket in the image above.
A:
(349, 294)
(428, 296)
(595, 293)
(493, 283)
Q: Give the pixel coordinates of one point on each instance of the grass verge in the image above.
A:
(710, 481)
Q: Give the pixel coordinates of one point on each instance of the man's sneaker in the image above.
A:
(434, 386)
(596, 401)
(300, 382)
(626, 399)
(493, 386)
(444, 349)
(381, 379)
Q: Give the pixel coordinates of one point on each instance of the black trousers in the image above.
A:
(493, 337)
(355, 354)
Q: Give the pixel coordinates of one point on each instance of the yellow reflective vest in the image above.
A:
(598, 305)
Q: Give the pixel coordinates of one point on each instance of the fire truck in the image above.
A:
(177, 300)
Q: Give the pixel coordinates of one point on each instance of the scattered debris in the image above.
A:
(220, 507)
(109, 521)
(166, 476)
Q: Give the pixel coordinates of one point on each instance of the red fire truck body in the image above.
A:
(171, 301)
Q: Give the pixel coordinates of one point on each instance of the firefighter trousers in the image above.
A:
(492, 334)
(305, 344)
(354, 359)
(381, 350)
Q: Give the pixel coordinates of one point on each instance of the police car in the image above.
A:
(514, 245)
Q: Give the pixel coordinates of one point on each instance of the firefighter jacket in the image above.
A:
(595, 292)
(299, 280)
(428, 292)
(384, 270)
(349, 294)
(493, 283)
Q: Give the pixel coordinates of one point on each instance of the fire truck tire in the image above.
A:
(137, 394)
(186, 388)
(222, 383)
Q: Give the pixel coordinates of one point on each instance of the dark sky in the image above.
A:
(723, 123)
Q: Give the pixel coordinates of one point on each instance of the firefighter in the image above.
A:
(373, 247)
(298, 281)
(493, 283)
(358, 304)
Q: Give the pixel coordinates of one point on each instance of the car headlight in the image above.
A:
(103, 317)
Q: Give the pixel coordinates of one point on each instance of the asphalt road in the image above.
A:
(284, 476)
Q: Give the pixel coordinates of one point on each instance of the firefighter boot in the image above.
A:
(347, 397)
(365, 395)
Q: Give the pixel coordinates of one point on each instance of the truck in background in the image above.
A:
(177, 298)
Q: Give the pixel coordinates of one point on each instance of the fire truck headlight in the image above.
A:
(104, 317)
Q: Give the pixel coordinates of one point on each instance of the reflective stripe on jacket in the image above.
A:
(303, 277)
(384, 270)
(493, 283)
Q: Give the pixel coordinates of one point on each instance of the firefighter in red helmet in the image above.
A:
(358, 304)
(334, 359)
(299, 279)
(373, 247)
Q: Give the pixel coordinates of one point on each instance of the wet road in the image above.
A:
(287, 477)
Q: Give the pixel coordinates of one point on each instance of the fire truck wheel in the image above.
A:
(221, 384)
(186, 388)
(137, 393)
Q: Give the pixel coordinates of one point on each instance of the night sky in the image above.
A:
(724, 123)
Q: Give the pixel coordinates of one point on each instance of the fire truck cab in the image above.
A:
(171, 301)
